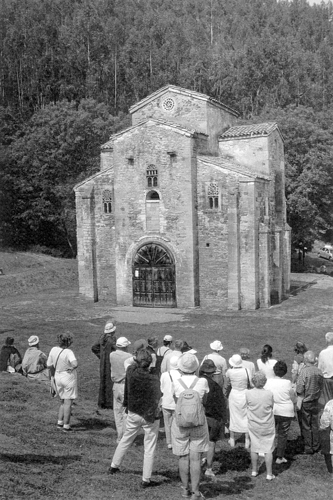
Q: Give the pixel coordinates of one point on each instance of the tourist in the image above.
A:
(162, 352)
(215, 410)
(130, 362)
(238, 382)
(266, 362)
(309, 386)
(142, 398)
(219, 362)
(34, 364)
(10, 358)
(152, 348)
(298, 363)
(326, 433)
(118, 374)
(102, 349)
(249, 365)
(261, 424)
(165, 366)
(284, 402)
(168, 402)
(325, 364)
(190, 442)
(62, 364)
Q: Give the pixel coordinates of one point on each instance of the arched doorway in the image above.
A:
(154, 277)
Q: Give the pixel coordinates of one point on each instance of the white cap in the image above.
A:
(168, 338)
(216, 345)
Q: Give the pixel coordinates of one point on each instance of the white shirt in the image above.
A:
(267, 367)
(168, 401)
(283, 394)
(325, 362)
(64, 361)
(219, 362)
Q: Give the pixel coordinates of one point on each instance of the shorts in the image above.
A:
(214, 428)
(186, 439)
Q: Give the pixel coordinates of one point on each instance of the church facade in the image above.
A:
(188, 209)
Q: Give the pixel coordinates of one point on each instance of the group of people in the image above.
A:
(199, 403)
(60, 365)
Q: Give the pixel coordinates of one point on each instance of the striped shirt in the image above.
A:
(310, 383)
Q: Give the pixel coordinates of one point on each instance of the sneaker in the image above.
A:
(186, 493)
(67, 429)
(113, 470)
(280, 461)
(270, 478)
(197, 496)
(60, 426)
(169, 446)
(209, 473)
(254, 473)
(147, 484)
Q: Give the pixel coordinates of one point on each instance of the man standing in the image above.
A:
(142, 400)
(249, 365)
(309, 386)
(189, 442)
(117, 359)
(219, 362)
(165, 366)
(325, 364)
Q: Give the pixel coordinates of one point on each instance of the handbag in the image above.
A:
(53, 386)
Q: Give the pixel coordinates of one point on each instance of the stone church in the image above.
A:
(188, 209)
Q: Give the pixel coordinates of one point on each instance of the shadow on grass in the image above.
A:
(88, 424)
(29, 458)
(235, 487)
(236, 459)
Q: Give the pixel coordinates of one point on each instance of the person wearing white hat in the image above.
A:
(238, 381)
(219, 362)
(165, 366)
(118, 374)
(189, 443)
(102, 349)
(34, 364)
(162, 351)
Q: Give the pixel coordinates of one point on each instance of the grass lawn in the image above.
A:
(40, 462)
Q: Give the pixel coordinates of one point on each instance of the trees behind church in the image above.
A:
(70, 69)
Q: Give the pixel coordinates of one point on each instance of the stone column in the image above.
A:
(86, 242)
(286, 261)
(234, 301)
(264, 257)
(249, 246)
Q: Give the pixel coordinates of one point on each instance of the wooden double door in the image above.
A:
(154, 277)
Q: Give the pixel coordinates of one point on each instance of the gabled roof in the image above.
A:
(85, 181)
(153, 121)
(186, 92)
(226, 163)
(251, 130)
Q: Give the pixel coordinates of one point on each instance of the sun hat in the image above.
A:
(33, 340)
(188, 363)
(192, 351)
(109, 327)
(236, 360)
(122, 342)
(139, 344)
(216, 345)
(208, 366)
(173, 362)
(168, 338)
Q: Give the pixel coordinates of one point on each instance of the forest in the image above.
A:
(70, 70)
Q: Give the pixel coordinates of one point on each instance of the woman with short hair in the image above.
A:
(284, 406)
(63, 363)
(261, 423)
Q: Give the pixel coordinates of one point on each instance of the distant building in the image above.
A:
(187, 210)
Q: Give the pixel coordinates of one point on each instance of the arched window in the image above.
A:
(152, 176)
(213, 195)
(107, 201)
(152, 211)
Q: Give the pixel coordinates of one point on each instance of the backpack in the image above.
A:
(189, 410)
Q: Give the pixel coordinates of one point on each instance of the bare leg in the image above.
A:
(247, 440)
(254, 461)
(61, 412)
(195, 470)
(232, 439)
(184, 470)
(269, 463)
(67, 410)
(328, 462)
(210, 454)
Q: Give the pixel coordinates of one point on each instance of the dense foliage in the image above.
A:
(69, 69)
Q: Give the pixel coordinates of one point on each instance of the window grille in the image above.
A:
(213, 195)
(107, 201)
(152, 176)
